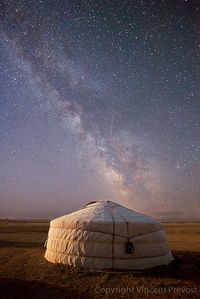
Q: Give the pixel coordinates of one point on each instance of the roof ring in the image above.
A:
(89, 203)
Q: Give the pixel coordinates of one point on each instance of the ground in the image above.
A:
(24, 273)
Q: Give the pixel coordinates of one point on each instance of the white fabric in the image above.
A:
(96, 237)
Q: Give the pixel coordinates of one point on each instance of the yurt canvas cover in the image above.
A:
(106, 235)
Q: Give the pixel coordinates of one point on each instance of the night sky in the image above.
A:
(99, 100)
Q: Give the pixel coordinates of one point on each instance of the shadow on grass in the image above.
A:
(16, 244)
(186, 266)
(18, 289)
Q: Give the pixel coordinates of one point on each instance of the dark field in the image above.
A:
(24, 273)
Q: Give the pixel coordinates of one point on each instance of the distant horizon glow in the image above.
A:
(99, 101)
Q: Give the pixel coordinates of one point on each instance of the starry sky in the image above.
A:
(99, 100)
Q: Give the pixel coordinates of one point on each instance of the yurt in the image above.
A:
(106, 235)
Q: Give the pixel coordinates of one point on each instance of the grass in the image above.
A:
(24, 273)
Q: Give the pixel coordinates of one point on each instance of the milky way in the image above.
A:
(99, 99)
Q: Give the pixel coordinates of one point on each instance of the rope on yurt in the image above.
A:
(113, 236)
(129, 244)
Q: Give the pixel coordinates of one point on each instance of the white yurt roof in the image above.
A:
(98, 235)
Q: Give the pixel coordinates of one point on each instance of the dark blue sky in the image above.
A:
(99, 99)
